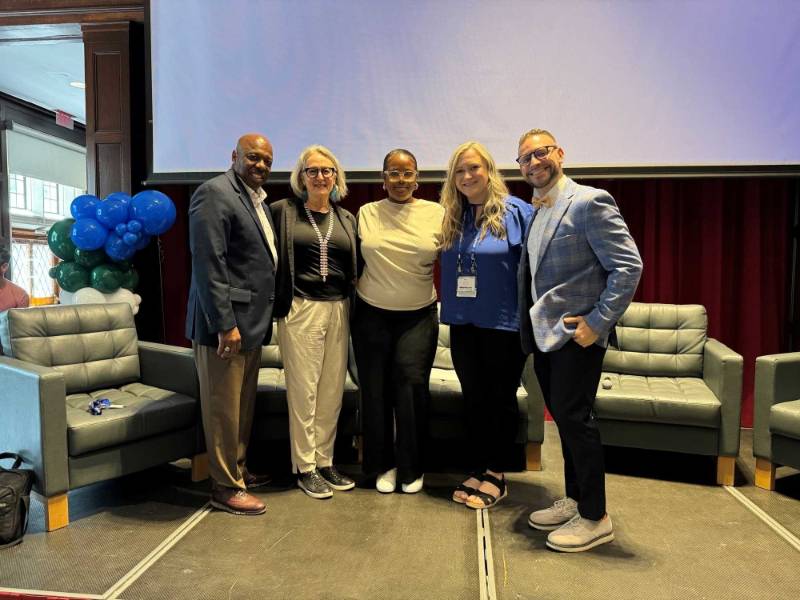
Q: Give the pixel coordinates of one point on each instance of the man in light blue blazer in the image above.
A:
(576, 279)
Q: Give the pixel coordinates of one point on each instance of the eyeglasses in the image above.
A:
(539, 153)
(326, 172)
(400, 175)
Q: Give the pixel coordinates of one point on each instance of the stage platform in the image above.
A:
(678, 535)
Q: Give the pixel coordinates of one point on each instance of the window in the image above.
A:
(50, 197)
(31, 260)
(66, 194)
(16, 188)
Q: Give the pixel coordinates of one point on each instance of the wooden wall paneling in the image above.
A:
(35, 12)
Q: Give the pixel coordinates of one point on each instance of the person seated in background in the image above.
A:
(11, 295)
(395, 326)
(484, 229)
(313, 298)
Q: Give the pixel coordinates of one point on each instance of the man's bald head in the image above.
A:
(252, 159)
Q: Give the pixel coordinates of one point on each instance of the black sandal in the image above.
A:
(467, 489)
(487, 500)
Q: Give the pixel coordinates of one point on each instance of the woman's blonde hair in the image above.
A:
(453, 201)
(296, 178)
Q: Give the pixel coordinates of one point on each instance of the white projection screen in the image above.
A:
(679, 85)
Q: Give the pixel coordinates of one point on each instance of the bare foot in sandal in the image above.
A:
(467, 488)
(493, 488)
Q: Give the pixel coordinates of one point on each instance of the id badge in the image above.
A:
(467, 286)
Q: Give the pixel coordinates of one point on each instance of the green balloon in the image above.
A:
(90, 258)
(72, 277)
(53, 272)
(59, 241)
(130, 279)
(106, 278)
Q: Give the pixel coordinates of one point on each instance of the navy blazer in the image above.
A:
(233, 270)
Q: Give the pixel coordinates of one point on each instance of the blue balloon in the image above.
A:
(112, 212)
(122, 197)
(134, 226)
(131, 238)
(121, 229)
(142, 242)
(84, 207)
(155, 210)
(88, 234)
(117, 249)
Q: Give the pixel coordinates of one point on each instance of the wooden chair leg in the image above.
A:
(765, 474)
(200, 467)
(726, 469)
(533, 456)
(56, 512)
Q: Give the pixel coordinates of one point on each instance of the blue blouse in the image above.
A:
(495, 267)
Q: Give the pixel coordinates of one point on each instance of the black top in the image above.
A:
(307, 278)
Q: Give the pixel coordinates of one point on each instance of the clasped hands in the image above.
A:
(584, 335)
(230, 342)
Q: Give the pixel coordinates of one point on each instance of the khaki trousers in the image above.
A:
(227, 401)
(313, 339)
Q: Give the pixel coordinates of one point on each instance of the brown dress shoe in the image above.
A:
(238, 502)
(252, 481)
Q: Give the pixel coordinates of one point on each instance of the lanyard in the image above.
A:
(473, 266)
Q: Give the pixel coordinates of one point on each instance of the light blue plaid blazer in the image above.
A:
(587, 264)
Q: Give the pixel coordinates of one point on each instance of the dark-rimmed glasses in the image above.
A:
(539, 153)
(326, 172)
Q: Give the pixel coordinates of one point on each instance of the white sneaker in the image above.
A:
(386, 482)
(413, 487)
(554, 517)
(581, 534)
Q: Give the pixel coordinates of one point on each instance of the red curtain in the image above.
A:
(721, 242)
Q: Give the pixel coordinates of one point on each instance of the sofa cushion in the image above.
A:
(675, 400)
(93, 345)
(148, 411)
(442, 359)
(445, 391)
(662, 340)
(784, 419)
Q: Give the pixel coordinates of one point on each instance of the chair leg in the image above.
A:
(726, 469)
(765, 474)
(56, 512)
(200, 467)
(533, 456)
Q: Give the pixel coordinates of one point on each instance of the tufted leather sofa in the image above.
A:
(447, 420)
(667, 386)
(57, 360)
(776, 422)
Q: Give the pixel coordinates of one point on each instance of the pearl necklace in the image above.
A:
(323, 241)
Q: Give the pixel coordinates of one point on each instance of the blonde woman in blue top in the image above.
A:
(483, 233)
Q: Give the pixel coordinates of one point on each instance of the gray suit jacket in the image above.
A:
(587, 264)
(233, 270)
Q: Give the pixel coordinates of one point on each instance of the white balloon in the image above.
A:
(65, 297)
(89, 295)
(123, 295)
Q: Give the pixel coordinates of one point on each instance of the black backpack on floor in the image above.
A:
(15, 497)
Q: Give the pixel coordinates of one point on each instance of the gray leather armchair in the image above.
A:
(776, 422)
(667, 386)
(447, 420)
(57, 360)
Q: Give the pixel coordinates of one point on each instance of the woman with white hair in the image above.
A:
(314, 293)
(484, 228)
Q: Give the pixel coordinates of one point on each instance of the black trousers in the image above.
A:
(568, 378)
(394, 353)
(489, 365)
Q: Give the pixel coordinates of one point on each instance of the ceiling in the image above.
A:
(37, 64)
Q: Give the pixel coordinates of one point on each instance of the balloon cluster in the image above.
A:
(98, 242)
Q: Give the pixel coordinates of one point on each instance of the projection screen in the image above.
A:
(652, 86)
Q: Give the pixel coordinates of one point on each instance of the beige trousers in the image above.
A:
(314, 339)
(227, 402)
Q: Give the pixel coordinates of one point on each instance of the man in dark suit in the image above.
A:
(229, 315)
(575, 280)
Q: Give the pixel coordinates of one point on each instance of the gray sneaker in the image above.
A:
(336, 480)
(554, 517)
(581, 534)
(314, 485)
